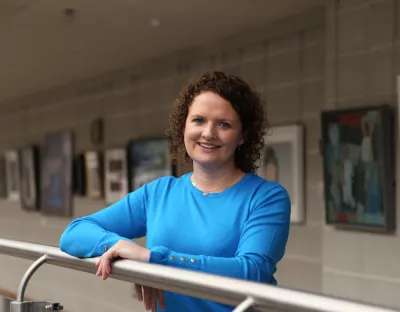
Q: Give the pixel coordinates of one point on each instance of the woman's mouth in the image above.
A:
(208, 145)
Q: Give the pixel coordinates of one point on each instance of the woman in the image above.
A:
(221, 218)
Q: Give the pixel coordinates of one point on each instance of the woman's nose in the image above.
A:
(209, 133)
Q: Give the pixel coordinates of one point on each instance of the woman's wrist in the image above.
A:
(145, 255)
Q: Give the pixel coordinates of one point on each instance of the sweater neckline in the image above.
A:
(228, 190)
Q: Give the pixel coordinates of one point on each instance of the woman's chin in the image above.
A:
(206, 161)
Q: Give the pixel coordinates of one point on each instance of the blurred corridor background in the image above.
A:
(91, 81)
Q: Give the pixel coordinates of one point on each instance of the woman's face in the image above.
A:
(213, 131)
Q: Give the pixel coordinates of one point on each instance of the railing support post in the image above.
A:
(20, 305)
(25, 280)
(245, 305)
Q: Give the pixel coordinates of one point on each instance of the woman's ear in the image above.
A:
(241, 140)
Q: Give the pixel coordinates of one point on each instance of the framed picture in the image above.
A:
(3, 180)
(115, 174)
(358, 164)
(93, 173)
(56, 174)
(79, 175)
(148, 160)
(182, 167)
(282, 161)
(12, 175)
(29, 177)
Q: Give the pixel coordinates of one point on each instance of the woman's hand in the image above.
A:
(122, 249)
(150, 296)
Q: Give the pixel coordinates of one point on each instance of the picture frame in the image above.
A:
(182, 167)
(148, 160)
(115, 175)
(12, 175)
(3, 179)
(29, 178)
(93, 174)
(79, 175)
(358, 167)
(56, 174)
(282, 161)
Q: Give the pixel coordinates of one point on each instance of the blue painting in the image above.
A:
(358, 168)
(148, 160)
(56, 182)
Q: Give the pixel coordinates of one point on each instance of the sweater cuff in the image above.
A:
(105, 245)
(164, 256)
(159, 255)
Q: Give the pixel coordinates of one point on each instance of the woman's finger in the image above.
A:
(106, 267)
(98, 273)
(160, 298)
(153, 300)
(139, 292)
(147, 297)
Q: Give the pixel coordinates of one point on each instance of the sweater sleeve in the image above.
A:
(92, 235)
(261, 246)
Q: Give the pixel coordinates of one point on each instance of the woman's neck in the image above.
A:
(208, 179)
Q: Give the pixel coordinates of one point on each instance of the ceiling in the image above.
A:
(42, 46)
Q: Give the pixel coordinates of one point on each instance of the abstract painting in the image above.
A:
(56, 174)
(282, 161)
(29, 177)
(357, 146)
(3, 181)
(115, 175)
(12, 175)
(148, 160)
(93, 173)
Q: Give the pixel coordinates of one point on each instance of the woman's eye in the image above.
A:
(225, 125)
(198, 120)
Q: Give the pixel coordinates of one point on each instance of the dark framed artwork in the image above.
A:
(12, 175)
(79, 175)
(29, 177)
(3, 180)
(358, 166)
(56, 174)
(148, 160)
(115, 175)
(93, 173)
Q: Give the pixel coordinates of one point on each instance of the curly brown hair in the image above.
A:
(245, 102)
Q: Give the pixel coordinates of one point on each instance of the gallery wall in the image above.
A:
(285, 63)
(344, 57)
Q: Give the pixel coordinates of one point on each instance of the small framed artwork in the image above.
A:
(115, 175)
(12, 175)
(282, 161)
(3, 180)
(29, 177)
(56, 174)
(148, 160)
(93, 173)
(358, 164)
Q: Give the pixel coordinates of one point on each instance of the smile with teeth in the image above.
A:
(210, 146)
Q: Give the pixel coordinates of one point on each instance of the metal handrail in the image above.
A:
(226, 290)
